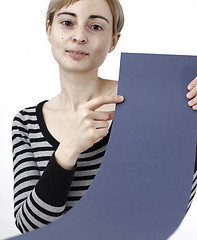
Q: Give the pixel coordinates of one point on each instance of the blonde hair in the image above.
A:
(115, 7)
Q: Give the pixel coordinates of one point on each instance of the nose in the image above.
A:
(79, 37)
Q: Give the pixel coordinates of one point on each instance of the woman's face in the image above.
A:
(81, 35)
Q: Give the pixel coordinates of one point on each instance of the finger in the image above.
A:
(192, 84)
(194, 107)
(193, 102)
(102, 100)
(102, 116)
(111, 115)
(192, 93)
(101, 124)
(100, 133)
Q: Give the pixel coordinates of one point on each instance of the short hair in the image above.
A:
(115, 7)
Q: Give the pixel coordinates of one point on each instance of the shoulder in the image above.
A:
(25, 116)
(110, 87)
(25, 113)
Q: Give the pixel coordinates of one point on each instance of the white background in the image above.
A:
(28, 73)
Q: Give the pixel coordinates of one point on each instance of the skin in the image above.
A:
(81, 114)
(83, 110)
(192, 94)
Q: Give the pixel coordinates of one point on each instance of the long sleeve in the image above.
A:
(38, 198)
(44, 191)
(194, 184)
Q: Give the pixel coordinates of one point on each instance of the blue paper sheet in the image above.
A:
(142, 189)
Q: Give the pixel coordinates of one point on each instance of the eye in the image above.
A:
(96, 27)
(66, 23)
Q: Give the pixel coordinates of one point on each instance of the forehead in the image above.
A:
(89, 7)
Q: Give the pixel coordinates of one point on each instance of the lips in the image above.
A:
(77, 54)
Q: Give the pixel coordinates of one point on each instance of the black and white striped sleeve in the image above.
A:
(193, 192)
(38, 200)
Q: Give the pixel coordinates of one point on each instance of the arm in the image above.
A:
(192, 96)
(41, 199)
(38, 200)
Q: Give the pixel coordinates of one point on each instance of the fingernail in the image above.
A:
(188, 95)
(190, 103)
(189, 87)
(121, 98)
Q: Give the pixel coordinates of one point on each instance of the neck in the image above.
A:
(77, 88)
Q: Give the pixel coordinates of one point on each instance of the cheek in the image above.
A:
(103, 49)
(103, 46)
(57, 37)
(57, 43)
(56, 40)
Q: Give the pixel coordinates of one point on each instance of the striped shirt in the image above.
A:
(43, 190)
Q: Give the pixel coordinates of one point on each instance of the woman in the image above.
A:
(59, 144)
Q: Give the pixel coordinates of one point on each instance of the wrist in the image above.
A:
(66, 159)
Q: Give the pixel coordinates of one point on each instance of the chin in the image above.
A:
(78, 66)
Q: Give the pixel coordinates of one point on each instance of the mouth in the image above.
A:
(77, 53)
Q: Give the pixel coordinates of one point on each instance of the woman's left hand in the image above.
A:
(192, 94)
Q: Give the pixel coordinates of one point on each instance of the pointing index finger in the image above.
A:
(102, 100)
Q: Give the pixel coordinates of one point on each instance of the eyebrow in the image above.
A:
(90, 17)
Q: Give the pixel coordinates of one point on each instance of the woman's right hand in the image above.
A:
(85, 127)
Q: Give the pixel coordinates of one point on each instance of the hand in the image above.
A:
(84, 128)
(192, 94)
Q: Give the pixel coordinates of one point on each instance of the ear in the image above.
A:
(114, 42)
(49, 30)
